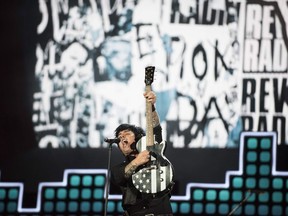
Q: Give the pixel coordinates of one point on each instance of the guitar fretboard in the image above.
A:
(149, 120)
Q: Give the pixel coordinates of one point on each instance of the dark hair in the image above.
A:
(138, 131)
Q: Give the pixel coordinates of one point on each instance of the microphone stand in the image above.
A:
(241, 203)
(108, 177)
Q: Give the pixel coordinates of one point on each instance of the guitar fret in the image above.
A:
(149, 122)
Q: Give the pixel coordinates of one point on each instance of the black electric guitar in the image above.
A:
(157, 174)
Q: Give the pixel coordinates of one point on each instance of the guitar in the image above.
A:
(157, 174)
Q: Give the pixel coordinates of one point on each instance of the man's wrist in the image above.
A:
(134, 163)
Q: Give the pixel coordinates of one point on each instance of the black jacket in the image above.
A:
(134, 202)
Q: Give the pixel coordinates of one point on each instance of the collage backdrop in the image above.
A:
(221, 70)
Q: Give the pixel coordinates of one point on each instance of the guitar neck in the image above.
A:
(149, 121)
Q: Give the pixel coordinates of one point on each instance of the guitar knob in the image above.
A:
(161, 179)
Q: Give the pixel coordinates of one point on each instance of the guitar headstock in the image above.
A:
(149, 74)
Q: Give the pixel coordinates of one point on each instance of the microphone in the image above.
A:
(115, 140)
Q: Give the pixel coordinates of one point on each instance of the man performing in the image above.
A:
(143, 168)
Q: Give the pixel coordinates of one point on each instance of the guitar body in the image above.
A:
(156, 175)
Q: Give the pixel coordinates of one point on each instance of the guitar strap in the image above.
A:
(133, 146)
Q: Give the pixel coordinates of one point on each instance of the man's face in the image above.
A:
(127, 138)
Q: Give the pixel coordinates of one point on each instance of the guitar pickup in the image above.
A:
(152, 167)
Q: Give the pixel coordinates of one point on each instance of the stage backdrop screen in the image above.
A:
(74, 70)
